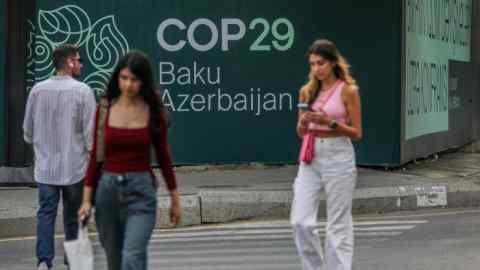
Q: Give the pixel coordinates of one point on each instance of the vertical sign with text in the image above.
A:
(436, 31)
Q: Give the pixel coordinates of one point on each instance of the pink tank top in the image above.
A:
(334, 106)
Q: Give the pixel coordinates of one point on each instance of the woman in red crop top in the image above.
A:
(327, 160)
(125, 197)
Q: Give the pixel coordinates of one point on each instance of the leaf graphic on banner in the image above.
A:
(102, 42)
(67, 24)
(106, 44)
(98, 81)
(43, 58)
(30, 42)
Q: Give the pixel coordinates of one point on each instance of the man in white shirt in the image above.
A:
(58, 122)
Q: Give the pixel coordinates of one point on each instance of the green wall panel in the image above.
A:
(3, 45)
(230, 70)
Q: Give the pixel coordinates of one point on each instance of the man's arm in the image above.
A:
(88, 121)
(28, 118)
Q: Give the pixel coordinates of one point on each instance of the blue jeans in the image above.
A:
(48, 198)
(125, 213)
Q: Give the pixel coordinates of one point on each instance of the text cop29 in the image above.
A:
(281, 30)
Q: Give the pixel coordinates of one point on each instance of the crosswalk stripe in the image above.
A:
(271, 244)
(265, 266)
(217, 251)
(389, 222)
(247, 243)
(169, 251)
(269, 231)
(212, 239)
(259, 237)
(190, 261)
(392, 233)
(385, 228)
(220, 233)
(286, 224)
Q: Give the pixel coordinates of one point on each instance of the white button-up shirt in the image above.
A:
(59, 121)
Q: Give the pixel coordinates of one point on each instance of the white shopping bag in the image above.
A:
(79, 251)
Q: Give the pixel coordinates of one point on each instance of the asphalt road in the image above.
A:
(435, 239)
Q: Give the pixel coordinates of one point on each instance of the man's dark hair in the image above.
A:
(62, 53)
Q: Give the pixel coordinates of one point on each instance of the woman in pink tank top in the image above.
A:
(330, 118)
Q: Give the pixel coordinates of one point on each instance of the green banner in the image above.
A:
(230, 70)
(436, 31)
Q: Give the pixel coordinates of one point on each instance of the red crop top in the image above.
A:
(128, 150)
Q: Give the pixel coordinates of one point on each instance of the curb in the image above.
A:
(226, 206)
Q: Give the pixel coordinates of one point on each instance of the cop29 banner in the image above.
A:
(436, 31)
(228, 71)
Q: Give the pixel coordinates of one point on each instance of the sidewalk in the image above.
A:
(227, 193)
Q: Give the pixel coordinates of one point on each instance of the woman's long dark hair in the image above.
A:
(138, 63)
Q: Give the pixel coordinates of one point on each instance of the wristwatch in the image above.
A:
(333, 124)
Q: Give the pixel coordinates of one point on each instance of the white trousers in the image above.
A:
(333, 170)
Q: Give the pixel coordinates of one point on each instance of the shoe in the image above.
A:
(43, 266)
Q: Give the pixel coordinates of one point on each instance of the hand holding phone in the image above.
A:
(303, 107)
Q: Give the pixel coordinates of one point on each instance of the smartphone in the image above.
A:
(303, 107)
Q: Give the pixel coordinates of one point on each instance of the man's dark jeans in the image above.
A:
(48, 198)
